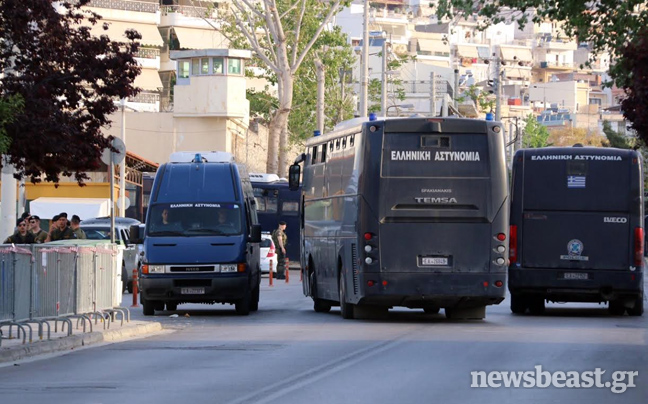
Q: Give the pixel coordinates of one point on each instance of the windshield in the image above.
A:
(98, 233)
(194, 219)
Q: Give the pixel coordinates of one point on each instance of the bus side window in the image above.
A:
(344, 142)
(331, 146)
(314, 154)
(337, 144)
(323, 153)
(351, 140)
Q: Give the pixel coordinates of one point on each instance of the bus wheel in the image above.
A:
(537, 306)
(321, 306)
(171, 306)
(346, 309)
(148, 307)
(244, 305)
(637, 309)
(519, 304)
(616, 307)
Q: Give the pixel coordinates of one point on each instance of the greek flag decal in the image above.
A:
(575, 181)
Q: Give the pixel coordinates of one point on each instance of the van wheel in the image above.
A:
(254, 304)
(130, 287)
(616, 307)
(347, 310)
(519, 304)
(148, 307)
(637, 309)
(172, 306)
(244, 305)
(537, 306)
(125, 280)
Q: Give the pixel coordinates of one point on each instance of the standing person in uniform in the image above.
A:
(21, 236)
(60, 230)
(40, 235)
(75, 225)
(280, 239)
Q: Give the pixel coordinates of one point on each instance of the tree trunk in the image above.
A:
(273, 145)
(285, 85)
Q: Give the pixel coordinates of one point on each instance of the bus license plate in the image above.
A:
(575, 275)
(434, 261)
(192, 291)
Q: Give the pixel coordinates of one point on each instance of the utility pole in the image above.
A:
(433, 104)
(320, 94)
(498, 89)
(456, 89)
(385, 81)
(122, 165)
(364, 85)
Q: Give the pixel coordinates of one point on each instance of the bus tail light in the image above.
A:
(368, 236)
(638, 246)
(513, 244)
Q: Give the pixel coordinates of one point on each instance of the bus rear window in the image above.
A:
(576, 185)
(435, 156)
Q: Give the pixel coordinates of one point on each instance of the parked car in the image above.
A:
(267, 254)
(99, 229)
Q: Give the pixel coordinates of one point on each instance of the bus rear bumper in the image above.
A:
(563, 284)
(416, 290)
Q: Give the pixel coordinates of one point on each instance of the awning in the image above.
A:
(433, 46)
(191, 38)
(514, 72)
(468, 51)
(520, 54)
(148, 80)
(150, 34)
(85, 208)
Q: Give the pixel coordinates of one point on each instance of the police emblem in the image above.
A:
(575, 249)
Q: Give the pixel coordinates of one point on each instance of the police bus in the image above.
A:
(577, 228)
(275, 202)
(408, 212)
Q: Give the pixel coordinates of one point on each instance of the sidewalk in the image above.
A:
(13, 349)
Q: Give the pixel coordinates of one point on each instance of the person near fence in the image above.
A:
(75, 225)
(280, 239)
(21, 236)
(60, 230)
(40, 235)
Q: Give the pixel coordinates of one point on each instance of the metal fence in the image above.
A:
(40, 283)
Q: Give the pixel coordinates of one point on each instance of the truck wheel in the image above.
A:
(347, 310)
(616, 307)
(254, 304)
(519, 304)
(244, 305)
(148, 307)
(637, 309)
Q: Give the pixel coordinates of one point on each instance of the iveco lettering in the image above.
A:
(409, 212)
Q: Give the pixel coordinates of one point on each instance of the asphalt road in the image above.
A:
(287, 353)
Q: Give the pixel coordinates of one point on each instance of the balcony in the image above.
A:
(127, 5)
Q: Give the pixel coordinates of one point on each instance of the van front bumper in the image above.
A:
(194, 289)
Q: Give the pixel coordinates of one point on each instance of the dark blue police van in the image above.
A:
(202, 235)
(577, 228)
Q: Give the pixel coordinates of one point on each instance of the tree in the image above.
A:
(608, 25)
(395, 89)
(614, 138)
(635, 61)
(535, 134)
(9, 108)
(67, 80)
(567, 136)
(484, 101)
(273, 29)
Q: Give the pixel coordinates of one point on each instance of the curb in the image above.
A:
(75, 341)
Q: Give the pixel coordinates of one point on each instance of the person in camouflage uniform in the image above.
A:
(280, 239)
(21, 236)
(40, 235)
(75, 224)
(60, 229)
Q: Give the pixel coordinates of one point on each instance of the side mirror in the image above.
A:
(134, 236)
(294, 174)
(255, 233)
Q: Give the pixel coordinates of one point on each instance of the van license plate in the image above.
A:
(434, 261)
(192, 291)
(575, 275)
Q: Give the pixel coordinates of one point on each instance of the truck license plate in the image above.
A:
(575, 275)
(192, 291)
(434, 261)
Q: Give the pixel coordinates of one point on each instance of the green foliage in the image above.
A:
(608, 27)
(395, 90)
(484, 101)
(635, 61)
(9, 108)
(535, 134)
(615, 139)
